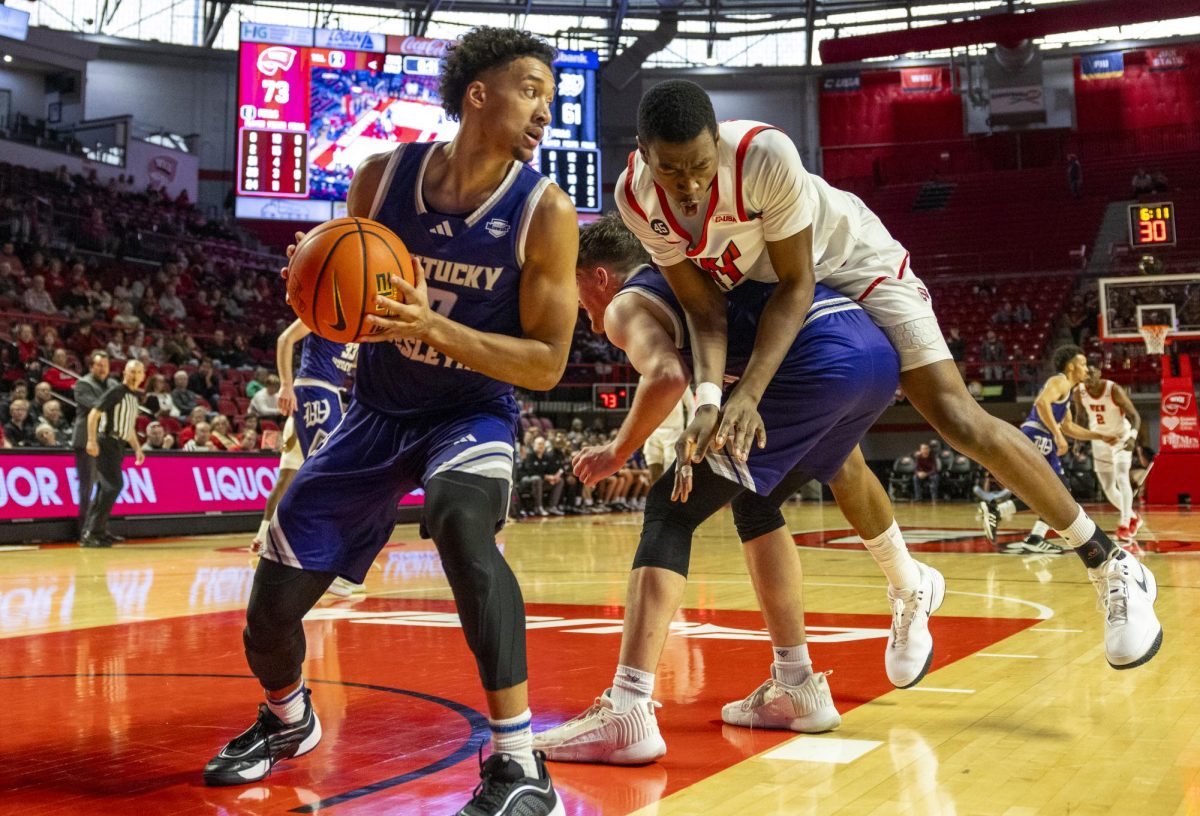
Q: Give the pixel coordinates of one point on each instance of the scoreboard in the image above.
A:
(612, 396)
(1152, 225)
(569, 153)
(314, 103)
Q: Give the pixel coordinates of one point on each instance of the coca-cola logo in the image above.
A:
(162, 169)
(1176, 403)
(424, 47)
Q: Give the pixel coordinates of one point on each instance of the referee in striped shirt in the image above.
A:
(111, 423)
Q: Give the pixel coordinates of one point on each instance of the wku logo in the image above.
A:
(724, 270)
(1176, 403)
(275, 59)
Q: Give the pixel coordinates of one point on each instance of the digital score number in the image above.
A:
(273, 163)
(1152, 225)
(612, 397)
(577, 171)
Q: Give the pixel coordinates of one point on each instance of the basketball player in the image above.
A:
(1107, 406)
(832, 385)
(1048, 425)
(312, 402)
(718, 206)
(494, 306)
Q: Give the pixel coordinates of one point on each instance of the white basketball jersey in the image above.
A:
(1104, 415)
(761, 193)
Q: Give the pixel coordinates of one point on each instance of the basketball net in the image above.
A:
(1155, 335)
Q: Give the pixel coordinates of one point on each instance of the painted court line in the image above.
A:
(1040, 629)
(832, 750)
(997, 654)
(940, 690)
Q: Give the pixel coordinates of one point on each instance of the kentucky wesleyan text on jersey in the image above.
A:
(473, 271)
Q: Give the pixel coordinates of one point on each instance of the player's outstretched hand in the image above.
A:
(595, 462)
(402, 319)
(691, 447)
(741, 427)
(291, 250)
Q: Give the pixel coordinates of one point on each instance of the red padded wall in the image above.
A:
(1141, 99)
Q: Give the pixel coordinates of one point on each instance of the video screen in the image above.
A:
(314, 103)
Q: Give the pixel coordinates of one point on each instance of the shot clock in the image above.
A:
(612, 396)
(1152, 225)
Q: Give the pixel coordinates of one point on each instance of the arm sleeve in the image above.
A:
(776, 185)
(662, 251)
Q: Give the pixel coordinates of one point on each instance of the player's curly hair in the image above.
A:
(608, 242)
(481, 49)
(1063, 355)
(675, 111)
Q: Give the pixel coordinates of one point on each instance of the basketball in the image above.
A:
(336, 272)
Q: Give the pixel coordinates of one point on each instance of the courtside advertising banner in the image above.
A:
(44, 485)
(38, 485)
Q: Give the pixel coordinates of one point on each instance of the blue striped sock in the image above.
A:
(514, 736)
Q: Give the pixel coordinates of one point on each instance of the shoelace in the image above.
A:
(487, 793)
(904, 609)
(759, 697)
(1112, 592)
(598, 707)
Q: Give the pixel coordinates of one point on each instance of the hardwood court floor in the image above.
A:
(122, 672)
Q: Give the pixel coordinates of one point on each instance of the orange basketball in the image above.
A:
(336, 272)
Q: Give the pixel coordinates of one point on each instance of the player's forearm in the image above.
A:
(1074, 431)
(526, 362)
(1047, 416)
(657, 396)
(709, 339)
(782, 319)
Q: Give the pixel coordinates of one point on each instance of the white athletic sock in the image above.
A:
(792, 664)
(631, 686)
(1125, 491)
(891, 554)
(1080, 531)
(290, 709)
(514, 737)
(1040, 528)
(1007, 508)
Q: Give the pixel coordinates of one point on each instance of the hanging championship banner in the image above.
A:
(1165, 59)
(921, 79)
(1102, 66)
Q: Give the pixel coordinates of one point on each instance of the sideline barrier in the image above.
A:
(172, 493)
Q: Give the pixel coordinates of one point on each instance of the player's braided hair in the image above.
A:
(481, 49)
(608, 242)
(675, 111)
(1063, 355)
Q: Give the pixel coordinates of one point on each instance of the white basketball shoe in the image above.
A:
(909, 651)
(342, 588)
(1127, 590)
(807, 708)
(603, 734)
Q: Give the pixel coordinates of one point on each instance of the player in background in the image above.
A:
(494, 306)
(719, 205)
(1106, 407)
(311, 399)
(659, 448)
(1048, 425)
(831, 386)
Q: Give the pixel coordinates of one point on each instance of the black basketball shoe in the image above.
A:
(504, 790)
(250, 756)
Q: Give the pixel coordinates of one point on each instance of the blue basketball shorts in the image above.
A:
(1044, 442)
(828, 392)
(318, 412)
(341, 507)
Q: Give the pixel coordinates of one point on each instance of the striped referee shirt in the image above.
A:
(118, 411)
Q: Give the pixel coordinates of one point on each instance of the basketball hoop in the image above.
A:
(1155, 335)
